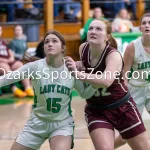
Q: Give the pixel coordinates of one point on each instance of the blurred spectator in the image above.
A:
(122, 23)
(58, 8)
(111, 8)
(10, 8)
(75, 7)
(20, 4)
(70, 9)
(8, 63)
(97, 14)
(131, 6)
(19, 44)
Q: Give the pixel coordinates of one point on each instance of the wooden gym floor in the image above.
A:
(14, 114)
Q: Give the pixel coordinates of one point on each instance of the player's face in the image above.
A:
(97, 32)
(18, 31)
(52, 45)
(145, 26)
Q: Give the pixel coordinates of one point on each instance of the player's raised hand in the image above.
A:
(71, 65)
(80, 66)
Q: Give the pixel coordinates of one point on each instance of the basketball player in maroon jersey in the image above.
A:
(8, 63)
(111, 107)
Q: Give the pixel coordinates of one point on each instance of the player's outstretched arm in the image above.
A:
(26, 71)
(99, 80)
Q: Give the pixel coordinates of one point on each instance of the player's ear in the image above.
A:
(63, 48)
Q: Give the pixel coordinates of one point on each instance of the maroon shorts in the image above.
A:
(126, 119)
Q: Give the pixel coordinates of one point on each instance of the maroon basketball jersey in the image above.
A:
(104, 95)
(3, 49)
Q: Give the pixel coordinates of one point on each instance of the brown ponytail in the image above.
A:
(112, 42)
(28, 58)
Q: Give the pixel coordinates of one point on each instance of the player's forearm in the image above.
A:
(98, 81)
(8, 79)
(26, 71)
(85, 91)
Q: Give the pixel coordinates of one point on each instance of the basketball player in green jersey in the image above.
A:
(51, 116)
(137, 59)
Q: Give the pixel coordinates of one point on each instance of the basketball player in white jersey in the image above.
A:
(51, 116)
(137, 69)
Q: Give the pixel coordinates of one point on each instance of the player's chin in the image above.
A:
(93, 41)
(51, 53)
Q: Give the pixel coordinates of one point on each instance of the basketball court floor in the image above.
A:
(15, 112)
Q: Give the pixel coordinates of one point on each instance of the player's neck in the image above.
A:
(55, 62)
(146, 41)
(97, 49)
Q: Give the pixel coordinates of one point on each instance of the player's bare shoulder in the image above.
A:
(130, 50)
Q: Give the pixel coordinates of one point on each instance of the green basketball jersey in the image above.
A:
(141, 65)
(52, 92)
(52, 88)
